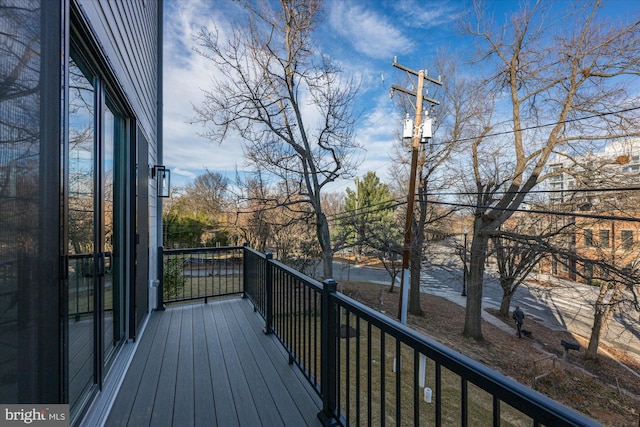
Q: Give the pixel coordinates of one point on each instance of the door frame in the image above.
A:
(107, 93)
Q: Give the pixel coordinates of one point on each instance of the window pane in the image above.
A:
(81, 205)
(627, 239)
(604, 238)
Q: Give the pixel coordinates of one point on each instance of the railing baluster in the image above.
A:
(464, 402)
(315, 338)
(296, 319)
(290, 318)
(347, 390)
(416, 388)
(245, 268)
(358, 373)
(398, 363)
(369, 375)
(383, 381)
(310, 324)
(496, 411)
(338, 365)
(438, 394)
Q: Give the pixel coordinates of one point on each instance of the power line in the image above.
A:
(539, 211)
(565, 191)
(395, 202)
(577, 119)
(367, 210)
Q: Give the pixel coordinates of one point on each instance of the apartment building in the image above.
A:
(601, 188)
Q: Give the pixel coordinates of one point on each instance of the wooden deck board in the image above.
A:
(142, 406)
(183, 406)
(239, 385)
(162, 413)
(290, 377)
(203, 402)
(222, 397)
(211, 364)
(123, 408)
(253, 370)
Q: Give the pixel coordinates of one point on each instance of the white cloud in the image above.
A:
(370, 33)
(182, 172)
(435, 14)
(186, 73)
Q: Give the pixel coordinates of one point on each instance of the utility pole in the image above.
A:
(417, 135)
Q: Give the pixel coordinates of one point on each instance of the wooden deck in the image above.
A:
(211, 364)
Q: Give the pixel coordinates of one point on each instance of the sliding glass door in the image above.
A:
(94, 182)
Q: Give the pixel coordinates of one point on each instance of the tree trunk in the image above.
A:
(322, 228)
(603, 314)
(507, 293)
(414, 291)
(594, 339)
(473, 314)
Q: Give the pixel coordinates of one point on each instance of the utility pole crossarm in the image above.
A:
(415, 73)
(408, 92)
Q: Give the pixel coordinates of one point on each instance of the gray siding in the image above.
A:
(128, 34)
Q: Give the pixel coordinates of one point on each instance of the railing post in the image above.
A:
(244, 269)
(268, 310)
(328, 354)
(160, 298)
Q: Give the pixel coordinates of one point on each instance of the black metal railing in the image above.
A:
(81, 286)
(369, 369)
(255, 267)
(200, 273)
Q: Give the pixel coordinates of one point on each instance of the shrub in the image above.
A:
(173, 279)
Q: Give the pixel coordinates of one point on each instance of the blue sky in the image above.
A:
(363, 36)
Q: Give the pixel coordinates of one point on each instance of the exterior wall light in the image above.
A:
(163, 175)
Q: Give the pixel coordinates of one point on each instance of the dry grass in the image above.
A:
(206, 285)
(604, 390)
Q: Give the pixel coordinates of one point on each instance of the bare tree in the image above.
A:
(562, 80)
(208, 192)
(254, 205)
(517, 252)
(291, 107)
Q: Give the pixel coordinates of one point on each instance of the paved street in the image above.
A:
(565, 307)
(568, 306)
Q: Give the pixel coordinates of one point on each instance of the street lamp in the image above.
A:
(464, 264)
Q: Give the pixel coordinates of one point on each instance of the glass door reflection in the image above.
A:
(81, 234)
(96, 200)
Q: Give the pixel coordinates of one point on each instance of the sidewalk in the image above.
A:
(454, 296)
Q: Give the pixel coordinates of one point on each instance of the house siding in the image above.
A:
(128, 35)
